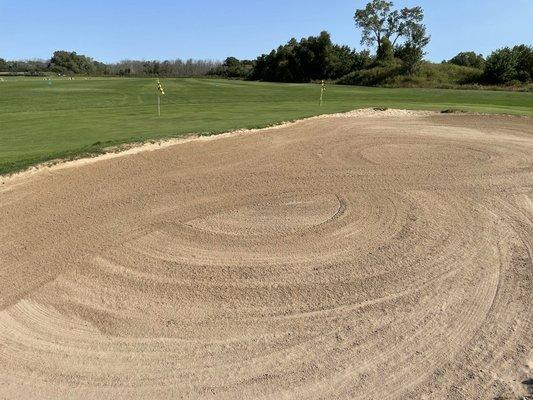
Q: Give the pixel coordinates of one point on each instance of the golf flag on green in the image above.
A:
(160, 91)
(322, 90)
(160, 87)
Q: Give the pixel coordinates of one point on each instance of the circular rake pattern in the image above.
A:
(342, 258)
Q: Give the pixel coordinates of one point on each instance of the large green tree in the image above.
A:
(524, 62)
(73, 63)
(510, 64)
(378, 21)
(312, 58)
(412, 51)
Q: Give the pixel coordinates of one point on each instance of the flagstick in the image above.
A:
(322, 90)
(159, 105)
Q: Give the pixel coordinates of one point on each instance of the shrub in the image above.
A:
(385, 51)
(524, 62)
(428, 75)
(378, 75)
(450, 74)
(342, 60)
(233, 68)
(501, 66)
(411, 57)
(468, 59)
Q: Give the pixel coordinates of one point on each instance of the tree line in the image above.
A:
(71, 63)
(316, 58)
(398, 36)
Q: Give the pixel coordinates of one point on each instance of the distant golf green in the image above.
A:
(41, 120)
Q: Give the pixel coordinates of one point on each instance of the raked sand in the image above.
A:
(370, 255)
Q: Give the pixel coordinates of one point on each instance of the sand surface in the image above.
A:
(360, 256)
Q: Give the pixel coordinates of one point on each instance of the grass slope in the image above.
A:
(40, 122)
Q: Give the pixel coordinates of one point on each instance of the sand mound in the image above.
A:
(369, 255)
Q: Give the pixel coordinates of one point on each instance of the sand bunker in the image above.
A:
(363, 256)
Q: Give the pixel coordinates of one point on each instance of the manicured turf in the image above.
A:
(41, 121)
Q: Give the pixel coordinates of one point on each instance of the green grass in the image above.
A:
(40, 122)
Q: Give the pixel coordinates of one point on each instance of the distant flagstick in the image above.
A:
(322, 90)
(160, 92)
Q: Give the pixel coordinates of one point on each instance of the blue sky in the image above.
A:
(111, 30)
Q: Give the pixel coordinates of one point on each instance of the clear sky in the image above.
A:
(111, 30)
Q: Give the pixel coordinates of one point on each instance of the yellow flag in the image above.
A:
(160, 87)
